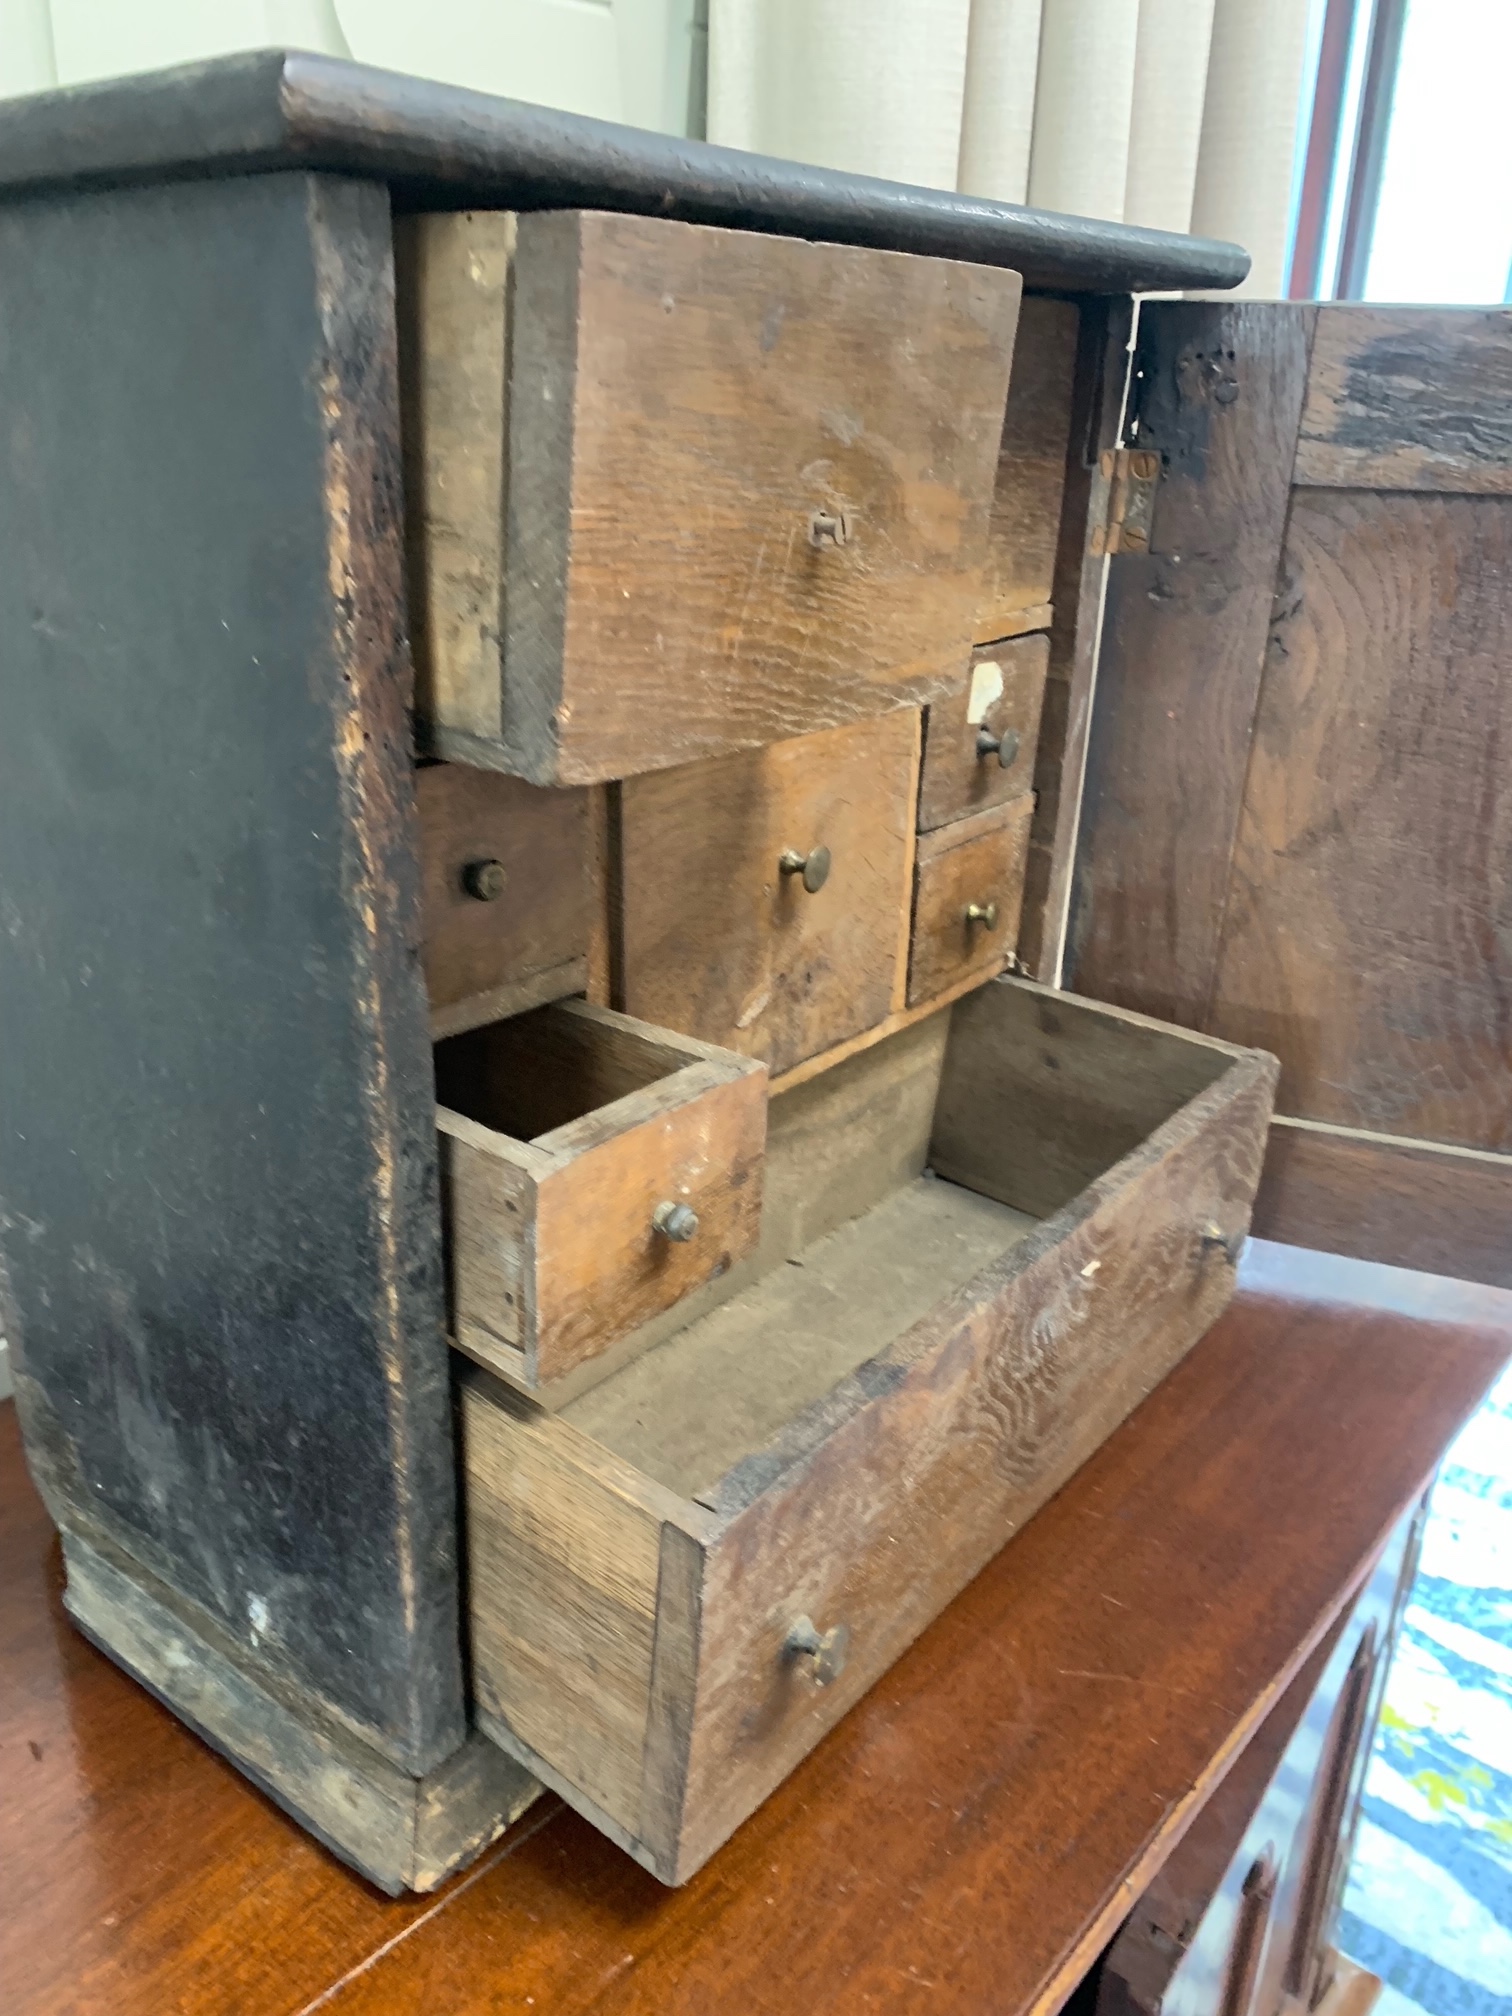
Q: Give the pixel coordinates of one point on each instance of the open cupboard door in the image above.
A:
(1296, 809)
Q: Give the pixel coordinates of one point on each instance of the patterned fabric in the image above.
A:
(1429, 1901)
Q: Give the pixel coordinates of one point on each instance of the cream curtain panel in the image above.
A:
(614, 59)
(1185, 114)
(1180, 113)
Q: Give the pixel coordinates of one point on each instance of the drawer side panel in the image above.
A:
(564, 1572)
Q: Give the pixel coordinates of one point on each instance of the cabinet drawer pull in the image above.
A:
(825, 1650)
(1215, 1239)
(814, 867)
(981, 913)
(829, 528)
(1005, 746)
(677, 1222)
(485, 880)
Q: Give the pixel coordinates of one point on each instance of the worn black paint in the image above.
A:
(442, 147)
(218, 1203)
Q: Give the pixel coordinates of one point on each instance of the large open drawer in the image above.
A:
(986, 1239)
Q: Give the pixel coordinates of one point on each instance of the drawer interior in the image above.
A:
(994, 1114)
(689, 1412)
(537, 1074)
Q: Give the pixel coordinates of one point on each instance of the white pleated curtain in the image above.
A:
(614, 59)
(1182, 114)
(1179, 113)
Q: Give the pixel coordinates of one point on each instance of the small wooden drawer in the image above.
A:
(980, 737)
(505, 869)
(968, 892)
(680, 490)
(764, 897)
(594, 1171)
(683, 1578)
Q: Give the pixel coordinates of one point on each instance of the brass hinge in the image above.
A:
(1132, 476)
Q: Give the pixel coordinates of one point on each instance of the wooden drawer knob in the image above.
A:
(823, 1651)
(1005, 746)
(485, 880)
(814, 867)
(981, 913)
(677, 1222)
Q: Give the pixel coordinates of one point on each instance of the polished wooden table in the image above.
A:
(966, 1841)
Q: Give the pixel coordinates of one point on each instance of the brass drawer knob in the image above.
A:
(485, 880)
(1005, 746)
(814, 867)
(981, 913)
(829, 528)
(823, 1651)
(1216, 1240)
(677, 1222)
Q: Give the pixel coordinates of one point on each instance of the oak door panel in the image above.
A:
(1409, 399)
(1369, 933)
(1183, 648)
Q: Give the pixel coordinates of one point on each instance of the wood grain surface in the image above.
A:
(451, 289)
(1042, 1092)
(936, 1369)
(1067, 1700)
(1001, 694)
(1290, 1803)
(553, 1244)
(487, 959)
(899, 1488)
(1097, 401)
(1385, 1197)
(700, 853)
(973, 864)
(680, 402)
(1031, 470)
(1368, 940)
(1409, 399)
(1184, 644)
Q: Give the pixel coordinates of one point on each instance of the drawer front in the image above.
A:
(980, 737)
(561, 1244)
(721, 939)
(504, 869)
(969, 890)
(749, 482)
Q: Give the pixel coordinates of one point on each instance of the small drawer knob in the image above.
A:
(814, 867)
(677, 1222)
(1216, 1240)
(981, 913)
(829, 528)
(822, 1651)
(1005, 746)
(485, 880)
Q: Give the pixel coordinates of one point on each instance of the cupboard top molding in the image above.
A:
(443, 147)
